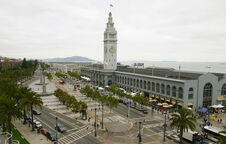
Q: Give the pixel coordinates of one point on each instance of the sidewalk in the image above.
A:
(31, 136)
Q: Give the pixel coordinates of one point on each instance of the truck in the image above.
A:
(189, 135)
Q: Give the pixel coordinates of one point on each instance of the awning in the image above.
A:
(190, 104)
(170, 105)
(167, 100)
(173, 102)
(153, 100)
(180, 103)
(221, 98)
(165, 104)
(153, 95)
(162, 98)
(159, 104)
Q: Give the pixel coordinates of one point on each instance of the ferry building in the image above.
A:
(182, 88)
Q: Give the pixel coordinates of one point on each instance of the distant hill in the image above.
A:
(70, 59)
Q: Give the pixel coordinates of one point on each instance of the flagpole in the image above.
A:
(179, 72)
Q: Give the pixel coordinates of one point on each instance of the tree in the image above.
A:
(24, 63)
(112, 102)
(33, 99)
(25, 92)
(183, 121)
(222, 139)
(10, 106)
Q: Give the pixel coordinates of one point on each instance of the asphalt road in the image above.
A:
(123, 110)
(48, 120)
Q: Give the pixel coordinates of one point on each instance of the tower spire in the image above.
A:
(110, 45)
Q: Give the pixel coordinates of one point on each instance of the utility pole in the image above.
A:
(179, 72)
(139, 135)
(139, 132)
(56, 130)
(102, 126)
(95, 124)
(128, 109)
(164, 134)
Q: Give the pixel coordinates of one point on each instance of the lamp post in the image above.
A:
(95, 123)
(139, 132)
(102, 123)
(165, 125)
(128, 109)
(56, 130)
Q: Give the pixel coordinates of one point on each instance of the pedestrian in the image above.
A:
(220, 120)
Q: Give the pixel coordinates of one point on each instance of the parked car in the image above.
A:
(36, 112)
(51, 136)
(44, 131)
(145, 111)
(38, 124)
(60, 128)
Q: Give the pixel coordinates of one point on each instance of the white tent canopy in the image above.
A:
(217, 106)
(85, 78)
(100, 88)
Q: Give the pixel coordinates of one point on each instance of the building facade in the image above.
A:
(187, 89)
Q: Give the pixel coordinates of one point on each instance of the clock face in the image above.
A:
(112, 49)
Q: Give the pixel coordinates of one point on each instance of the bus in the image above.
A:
(191, 136)
(213, 132)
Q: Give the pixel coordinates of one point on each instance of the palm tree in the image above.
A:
(33, 99)
(183, 121)
(24, 92)
(10, 109)
(222, 139)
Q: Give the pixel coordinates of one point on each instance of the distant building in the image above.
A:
(181, 88)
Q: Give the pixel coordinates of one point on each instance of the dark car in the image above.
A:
(51, 136)
(60, 128)
(145, 111)
(36, 112)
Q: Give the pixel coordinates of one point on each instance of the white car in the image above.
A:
(38, 124)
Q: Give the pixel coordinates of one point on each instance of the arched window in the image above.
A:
(168, 90)
(162, 88)
(153, 86)
(149, 85)
(134, 83)
(137, 83)
(141, 84)
(120, 79)
(131, 82)
(180, 92)
(128, 81)
(207, 90)
(144, 84)
(125, 80)
(174, 91)
(157, 87)
(223, 89)
(190, 93)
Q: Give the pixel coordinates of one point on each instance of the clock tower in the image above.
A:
(110, 45)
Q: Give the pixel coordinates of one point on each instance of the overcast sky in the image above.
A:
(169, 30)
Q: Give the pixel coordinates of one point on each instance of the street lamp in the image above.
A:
(129, 103)
(139, 134)
(165, 125)
(102, 123)
(95, 123)
(56, 130)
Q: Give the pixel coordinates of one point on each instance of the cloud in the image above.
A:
(179, 30)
